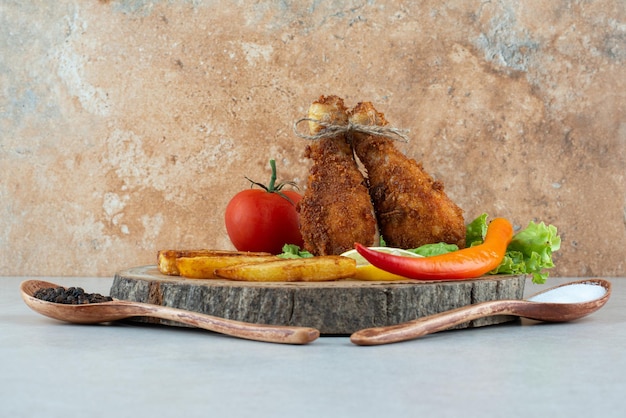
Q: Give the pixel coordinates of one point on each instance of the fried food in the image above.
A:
(204, 267)
(314, 269)
(412, 209)
(336, 210)
(201, 263)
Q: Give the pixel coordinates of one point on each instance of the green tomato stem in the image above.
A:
(270, 188)
(273, 187)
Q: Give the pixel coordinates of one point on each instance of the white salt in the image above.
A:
(574, 293)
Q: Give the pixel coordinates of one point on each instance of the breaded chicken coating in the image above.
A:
(412, 209)
(335, 210)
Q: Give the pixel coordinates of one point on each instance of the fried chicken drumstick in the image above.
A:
(336, 210)
(412, 209)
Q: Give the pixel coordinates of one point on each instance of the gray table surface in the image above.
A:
(531, 369)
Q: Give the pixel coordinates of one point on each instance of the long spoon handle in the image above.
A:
(433, 323)
(93, 313)
(258, 332)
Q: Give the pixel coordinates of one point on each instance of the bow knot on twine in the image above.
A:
(330, 130)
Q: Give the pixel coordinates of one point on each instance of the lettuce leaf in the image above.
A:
(475, 231)
(429, 250)
(293, 251)
(534, 245)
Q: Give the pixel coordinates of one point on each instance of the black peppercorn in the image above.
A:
(70, 296)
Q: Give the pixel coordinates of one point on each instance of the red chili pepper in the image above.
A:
(467, 263)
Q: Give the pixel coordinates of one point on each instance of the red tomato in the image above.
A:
(258, 220)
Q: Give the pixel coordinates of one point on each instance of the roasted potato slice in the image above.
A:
(203, 267)
(314, 269)
(166, 259)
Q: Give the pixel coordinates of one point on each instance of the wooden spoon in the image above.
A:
(92, 313)
(548, 305)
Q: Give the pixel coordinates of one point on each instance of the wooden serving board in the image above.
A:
(335, 308)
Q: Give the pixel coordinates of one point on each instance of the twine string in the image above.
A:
(330, 130)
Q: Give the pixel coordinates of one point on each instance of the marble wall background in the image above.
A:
(126, 126)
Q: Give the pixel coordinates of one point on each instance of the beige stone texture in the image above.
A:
(126, 126)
